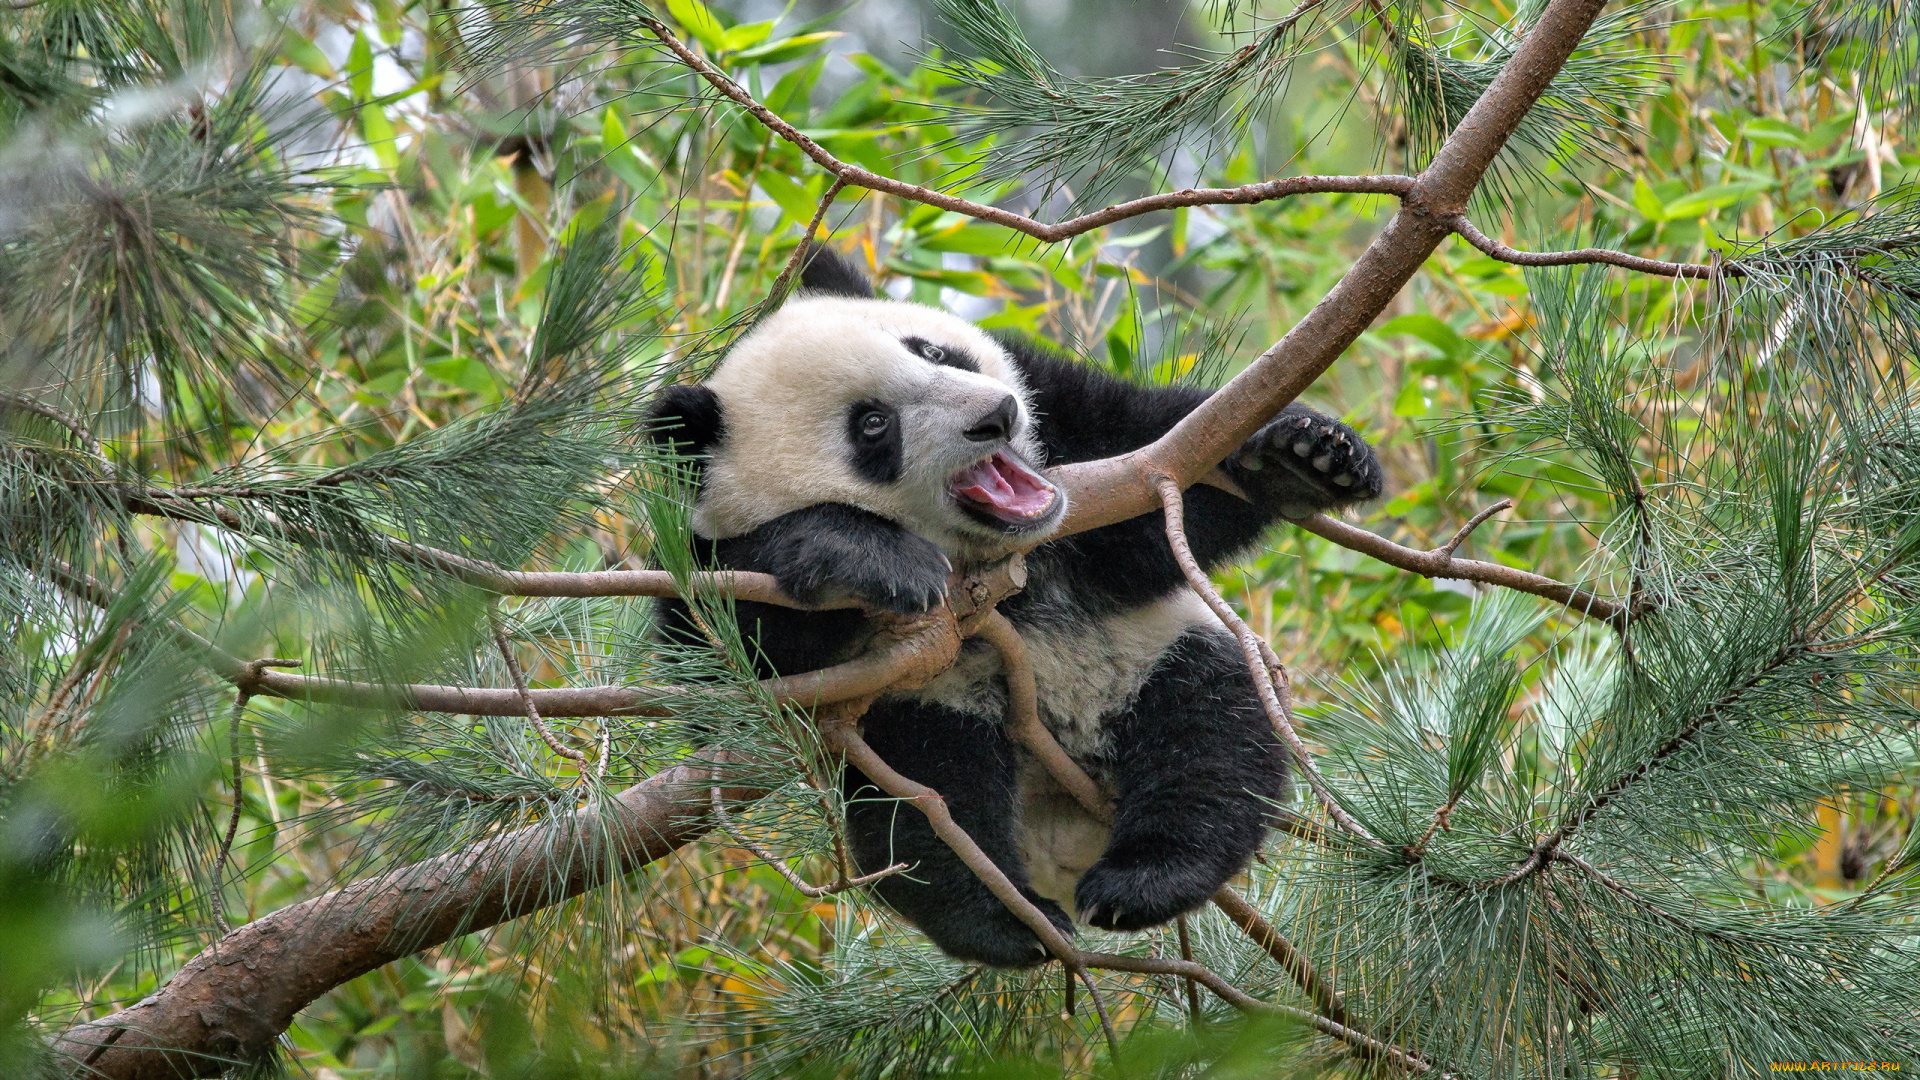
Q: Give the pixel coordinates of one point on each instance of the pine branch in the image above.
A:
(232, 1001)
(1544, 850)
(1441, 563)
(1494, 249)
(855, 176)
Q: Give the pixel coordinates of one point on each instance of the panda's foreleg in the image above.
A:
(971, 762)
(1198, 769)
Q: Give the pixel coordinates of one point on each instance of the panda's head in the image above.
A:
(900, 409)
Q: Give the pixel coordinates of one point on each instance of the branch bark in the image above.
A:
(233, 1000)
(1440, 563)
(1115, 489)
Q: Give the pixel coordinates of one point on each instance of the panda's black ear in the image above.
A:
(687, 419)
(826, 272)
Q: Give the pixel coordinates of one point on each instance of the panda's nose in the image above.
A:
(996, 425)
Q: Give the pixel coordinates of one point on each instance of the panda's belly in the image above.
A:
(1086, 667)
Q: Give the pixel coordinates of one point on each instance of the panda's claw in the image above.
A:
(1301, 464)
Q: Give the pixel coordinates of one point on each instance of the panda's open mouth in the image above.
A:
(1003, 487)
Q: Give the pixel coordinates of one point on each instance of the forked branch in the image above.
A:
(1441, 563)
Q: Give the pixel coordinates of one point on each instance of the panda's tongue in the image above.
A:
(1005, 487)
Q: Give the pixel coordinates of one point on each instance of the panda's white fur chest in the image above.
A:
(1085, 667)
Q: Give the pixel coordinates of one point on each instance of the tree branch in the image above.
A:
(1245, 1002)
(841, 884)
(1115, 489)
(1497, 250)
(1440, 563)
(234, 999)
(855, 176)
(1260, 664)
(842, 737)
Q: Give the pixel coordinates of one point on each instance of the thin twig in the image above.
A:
(799, 256)
(840, 885)
(1496, 250)
(1193, 985)
(233, 819)
(526, 699)
(244, 691)
(1244, 915)
(1245, 1002)
(855, 176)
(1259, 659)
(40, 408)
(1440, 563)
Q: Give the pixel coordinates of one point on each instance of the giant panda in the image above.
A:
(859, 448)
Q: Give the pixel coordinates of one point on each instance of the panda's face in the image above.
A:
(899, 409)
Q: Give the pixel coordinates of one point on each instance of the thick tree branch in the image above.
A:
(233, 1000)
(1115, 489)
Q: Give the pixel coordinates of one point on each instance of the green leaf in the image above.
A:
(746, 35)
(1645, 201)
(465, 372)
(378, 131)
(793, 199)
(1430, 330)
(793, 48)
(793, 89)
(694, 17)
(1412, 400)
(1707, 200)
(302, 53)
(1769, 131)
(967, 240)
(360, 68)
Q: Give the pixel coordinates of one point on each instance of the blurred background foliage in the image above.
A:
(367, 241)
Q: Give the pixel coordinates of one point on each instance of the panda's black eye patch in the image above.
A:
(873, 430)
(944, 355)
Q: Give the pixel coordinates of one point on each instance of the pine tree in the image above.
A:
(1544, 846)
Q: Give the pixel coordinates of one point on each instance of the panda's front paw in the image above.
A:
(1134, 893)
(907, 581)
(902, 573)
(1306, 462)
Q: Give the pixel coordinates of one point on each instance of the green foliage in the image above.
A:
(288, 294)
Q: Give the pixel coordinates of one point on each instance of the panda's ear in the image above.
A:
(826, 272)
(687, 419)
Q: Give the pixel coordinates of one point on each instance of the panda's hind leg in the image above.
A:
(1197, 767)
(971, 762)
